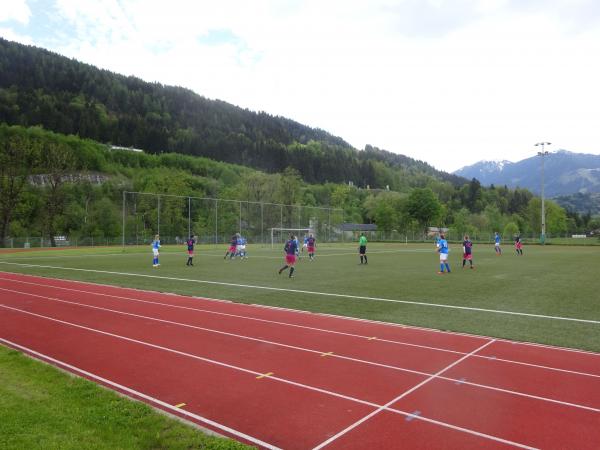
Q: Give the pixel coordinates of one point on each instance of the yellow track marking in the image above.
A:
(268, 374)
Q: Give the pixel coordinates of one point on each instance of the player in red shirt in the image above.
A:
(232, 247)
(311, 245)
(467, 252)
(290, 249)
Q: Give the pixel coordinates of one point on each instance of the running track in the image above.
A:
(276, 378)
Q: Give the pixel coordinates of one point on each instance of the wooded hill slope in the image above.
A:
(38, 87)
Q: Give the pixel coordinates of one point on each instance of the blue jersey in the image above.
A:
(497, 239)
(291, 247)
(156, 244)
(443, 246)
(243, 241)
(306, 239)
(238, 241)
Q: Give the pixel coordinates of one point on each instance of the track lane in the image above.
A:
(528, 421)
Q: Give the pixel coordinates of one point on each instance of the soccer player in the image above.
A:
(310, 245)
(497, 240)
(519, 245)
(232, 247)
(242, 248)
(443, 251)
(190, 249)
(155, 247)
(297, 246)
(467, 252)
(305, 244)
(290, 249)
(362, 248)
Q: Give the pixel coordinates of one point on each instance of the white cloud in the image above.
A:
(16, 10)
(8, 33)
(446, 82)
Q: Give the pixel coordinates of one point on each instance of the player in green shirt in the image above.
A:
(362, 248)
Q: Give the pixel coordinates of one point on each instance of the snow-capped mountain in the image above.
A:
(565, 173)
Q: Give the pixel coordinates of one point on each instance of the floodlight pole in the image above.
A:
(543, 153)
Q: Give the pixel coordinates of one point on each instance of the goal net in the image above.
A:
(280, 235)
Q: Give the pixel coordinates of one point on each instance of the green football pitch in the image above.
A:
(550, 295)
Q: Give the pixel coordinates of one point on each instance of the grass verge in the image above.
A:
(43, 407)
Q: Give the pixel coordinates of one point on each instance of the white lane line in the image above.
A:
(319, 352)
(168, 305)
(146, 397)
(237, 316)
(412, 415)
(325, 294)
(282, 380)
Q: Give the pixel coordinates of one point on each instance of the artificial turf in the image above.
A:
(557, 281)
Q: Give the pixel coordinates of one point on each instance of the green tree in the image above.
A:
(511, 229)
(58, 162)
(556, 217)
(18, 156)
(423, 206)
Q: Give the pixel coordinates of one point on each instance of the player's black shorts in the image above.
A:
(362, 249)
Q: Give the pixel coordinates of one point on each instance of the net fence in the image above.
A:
(214, 220)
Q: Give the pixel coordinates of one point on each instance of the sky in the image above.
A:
(449, 82)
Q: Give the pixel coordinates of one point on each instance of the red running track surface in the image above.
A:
(278, 378)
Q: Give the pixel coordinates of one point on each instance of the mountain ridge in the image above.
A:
(565, 173)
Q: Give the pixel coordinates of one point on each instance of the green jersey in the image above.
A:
(362, 241)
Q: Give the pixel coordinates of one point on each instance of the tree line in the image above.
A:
(53, 184)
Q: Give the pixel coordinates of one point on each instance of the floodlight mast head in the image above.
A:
(542, 154)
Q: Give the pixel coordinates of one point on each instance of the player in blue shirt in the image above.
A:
(497, 240)
(290, 249)
(297, 246)
(190, 249)
(242, 248)
(305, 244)
(443, 251)
(155, 247)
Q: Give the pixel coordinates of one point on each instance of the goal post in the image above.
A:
(277, 232)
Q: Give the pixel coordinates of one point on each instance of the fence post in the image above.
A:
(158, 217)
(189, 216)
(216, 220)
(123, 220)
(329, 225)
(262, 223)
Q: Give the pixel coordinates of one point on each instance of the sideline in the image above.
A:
(325, 294)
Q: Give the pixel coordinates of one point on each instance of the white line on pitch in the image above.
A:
(282, 380)
(336, 316)
(326, 294)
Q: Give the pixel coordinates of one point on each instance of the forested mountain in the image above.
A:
(58, 176)
(38, 87)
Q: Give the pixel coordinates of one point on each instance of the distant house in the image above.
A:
(130, 149)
